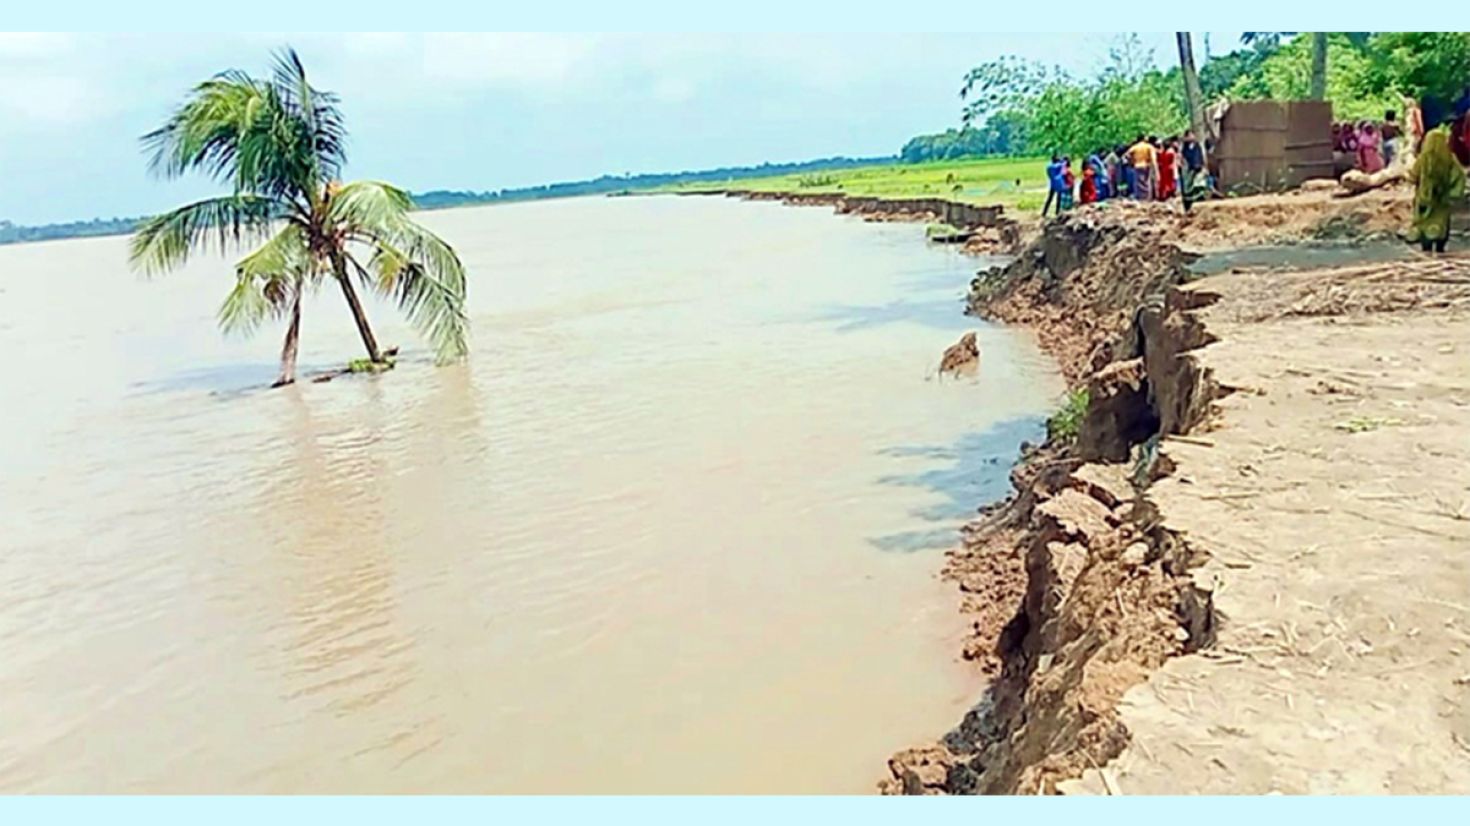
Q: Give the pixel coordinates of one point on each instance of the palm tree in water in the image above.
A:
(279, 144)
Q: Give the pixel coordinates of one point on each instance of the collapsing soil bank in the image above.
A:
(985, 228)
(1090, 579)
(1237, 566)
(1074, 589)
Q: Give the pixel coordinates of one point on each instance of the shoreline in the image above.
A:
(1119, 546)
(1116, 574)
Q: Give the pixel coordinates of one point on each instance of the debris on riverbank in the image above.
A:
(961, 358)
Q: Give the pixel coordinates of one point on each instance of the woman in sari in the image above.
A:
(1087, 192)
(1167, 166)
(1370, 149)
(1438, 180)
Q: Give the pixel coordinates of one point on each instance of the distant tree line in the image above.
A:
(11, 233)
(16, 234)
(1003, 134)
(609, 184)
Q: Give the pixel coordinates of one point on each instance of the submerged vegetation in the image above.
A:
(370, 366)
(279, 144)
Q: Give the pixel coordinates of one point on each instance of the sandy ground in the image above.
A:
(1332, 494)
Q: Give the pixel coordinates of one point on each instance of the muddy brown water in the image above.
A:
(674, 527)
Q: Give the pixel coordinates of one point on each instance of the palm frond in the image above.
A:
(204, 131)
(252, 134)
(266, 281)
(252, 301)
(165, 241)
(369, 204)
(286, 253)
(428, 293)
(316, 109)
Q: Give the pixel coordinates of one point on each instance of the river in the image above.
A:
(673, 527)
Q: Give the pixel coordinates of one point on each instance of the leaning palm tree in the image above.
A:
(279, 144)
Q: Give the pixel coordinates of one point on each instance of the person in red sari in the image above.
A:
(1087, 193)
(1168, 164)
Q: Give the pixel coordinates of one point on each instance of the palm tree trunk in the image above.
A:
(293, 337)
(368, 341)
(1319, 66)
(1192, 92)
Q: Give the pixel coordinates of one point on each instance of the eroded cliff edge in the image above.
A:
(1086, 581)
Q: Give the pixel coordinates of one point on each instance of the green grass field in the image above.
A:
(980, 181)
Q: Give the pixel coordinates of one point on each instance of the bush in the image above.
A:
(810, 181)
(1064, 425)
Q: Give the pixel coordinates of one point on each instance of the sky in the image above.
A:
(483, 111)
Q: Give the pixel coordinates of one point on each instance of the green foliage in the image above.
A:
(816, 180)
(165, 242)
(11, 233)
(1287, 73)
(974, 180)
(1221, 73)
(1066, 423)
(1047, 110)
(1078, 118)
(369, 366)
(1003, 85)
(1003, 133)
(940, 230)
(1435, 64)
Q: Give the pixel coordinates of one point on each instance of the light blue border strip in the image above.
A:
(668, 15)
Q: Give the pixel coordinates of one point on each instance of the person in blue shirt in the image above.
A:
(1056, 178)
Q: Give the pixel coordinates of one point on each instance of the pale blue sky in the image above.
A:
(485, 111)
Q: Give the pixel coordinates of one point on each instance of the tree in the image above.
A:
(1319, 66)
(1222, 72)
(1192, 93)
(1047, 110)
(1268, 40)
(1001, 85)
(1423, 64)
(1128, 57)
(1286, 75)
(279, 144)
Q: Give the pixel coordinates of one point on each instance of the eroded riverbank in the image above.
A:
(1187, 612)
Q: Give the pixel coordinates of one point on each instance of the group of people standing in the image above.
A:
(1150, 169)
(1371, 146)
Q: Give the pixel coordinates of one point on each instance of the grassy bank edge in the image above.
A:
(1016, 183)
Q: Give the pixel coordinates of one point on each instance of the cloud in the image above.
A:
(24, 45)
(45, 88)
(46, 101)
(515, 58)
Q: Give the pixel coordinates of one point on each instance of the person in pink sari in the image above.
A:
(1370, 149)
